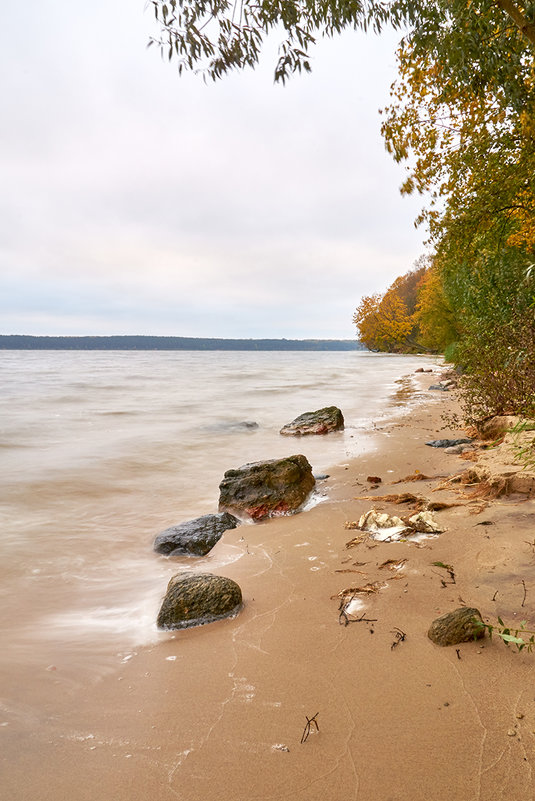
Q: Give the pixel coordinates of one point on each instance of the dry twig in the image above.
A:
(308, 727)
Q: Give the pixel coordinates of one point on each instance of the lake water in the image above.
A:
(100, 451)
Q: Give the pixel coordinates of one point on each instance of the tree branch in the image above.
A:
(526, 28)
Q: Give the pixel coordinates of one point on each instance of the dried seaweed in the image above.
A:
(393, 564)
(469, 456)
(351, 592)
(360, 538)
(420, 502)
(350, 570)
(403, 497)
(416, 476)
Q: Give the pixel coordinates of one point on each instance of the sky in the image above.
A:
(135, 201)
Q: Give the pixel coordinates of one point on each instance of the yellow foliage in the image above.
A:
(384, 322)
(433, 312)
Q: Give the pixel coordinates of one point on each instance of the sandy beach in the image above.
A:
(219, 712)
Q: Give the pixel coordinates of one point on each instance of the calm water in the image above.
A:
(102, 450)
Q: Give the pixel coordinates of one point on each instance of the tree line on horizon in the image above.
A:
(29, 342)
(462, 121)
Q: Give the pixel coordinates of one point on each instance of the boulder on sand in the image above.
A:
(195, 537)
(461, 625)
(320, 422)
(265, 489)
(193, 600)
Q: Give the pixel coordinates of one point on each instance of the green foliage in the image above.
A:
(215, 37)
(496, 348)
(524, 444)
(463, 120)
(450, 352)
(510, 635)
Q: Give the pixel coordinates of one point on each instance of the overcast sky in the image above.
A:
(137, 202)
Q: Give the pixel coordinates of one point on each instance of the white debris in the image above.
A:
(425, 523)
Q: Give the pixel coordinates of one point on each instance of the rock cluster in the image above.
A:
(255, 491)
(444, 386)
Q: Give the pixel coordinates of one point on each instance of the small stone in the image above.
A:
(520, 716)
(511, 733)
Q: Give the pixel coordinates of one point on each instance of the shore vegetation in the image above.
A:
(462, 122)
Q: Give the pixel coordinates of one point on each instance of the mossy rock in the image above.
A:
(193, 600)
(263, 489)
(461, 625)
(330, 418)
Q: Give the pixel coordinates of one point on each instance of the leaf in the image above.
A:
(512, 638)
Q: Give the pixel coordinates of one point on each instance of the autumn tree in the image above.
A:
(217, 36)
(438, 323)
(388, 322)
(462, 120)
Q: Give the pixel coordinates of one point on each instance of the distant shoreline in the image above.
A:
(28, 342)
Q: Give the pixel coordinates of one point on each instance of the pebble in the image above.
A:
(511, 733)
(520, 716)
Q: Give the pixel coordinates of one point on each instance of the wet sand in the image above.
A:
(219, 712)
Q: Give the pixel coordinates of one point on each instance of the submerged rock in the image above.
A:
(195, 537)
(322, 421)
(231, 426)
(193, 600)
(264, 489)
(457, 626)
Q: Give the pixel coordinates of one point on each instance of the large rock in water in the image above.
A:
(264, 489)
(193, 600)
(320, 422)
(457, 626)
(195, 537)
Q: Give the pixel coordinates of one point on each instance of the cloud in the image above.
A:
(132, 197)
